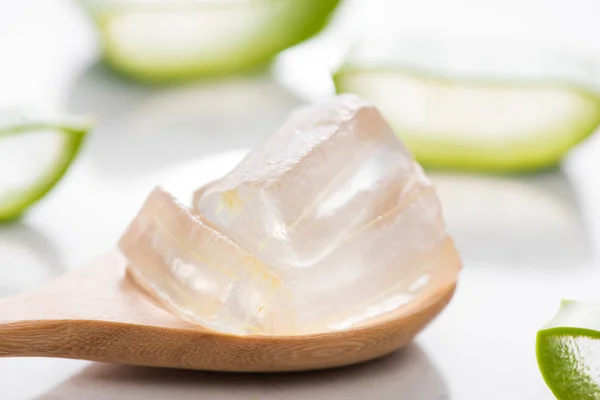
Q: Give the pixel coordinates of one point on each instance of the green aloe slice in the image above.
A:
(479, 118)
(568, 351)
(182, 39)
(35, 153)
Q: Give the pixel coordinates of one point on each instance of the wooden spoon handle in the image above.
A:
(93, 313)
(94, 340)
(44, 339)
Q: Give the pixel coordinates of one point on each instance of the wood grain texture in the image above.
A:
(95, 313)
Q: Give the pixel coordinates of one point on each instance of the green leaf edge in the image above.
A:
(435, 154)
(551, 331)
(320, 16)
(76, 130)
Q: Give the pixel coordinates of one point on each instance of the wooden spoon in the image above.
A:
(96, 313)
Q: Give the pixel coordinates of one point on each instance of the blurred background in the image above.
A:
(498, 99)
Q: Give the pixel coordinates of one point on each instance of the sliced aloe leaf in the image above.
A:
(181, 39)
(35, 153)
(470, 116)
(568, 351)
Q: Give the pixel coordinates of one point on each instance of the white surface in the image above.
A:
(526, 242)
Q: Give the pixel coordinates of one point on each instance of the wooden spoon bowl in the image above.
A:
(96, 313)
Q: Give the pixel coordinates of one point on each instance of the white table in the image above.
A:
(526, 242)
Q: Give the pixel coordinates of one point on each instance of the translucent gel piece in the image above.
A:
(332, 208)
(331, 168)
(200, 274)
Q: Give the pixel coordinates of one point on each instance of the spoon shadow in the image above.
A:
(142, 128)
(532, 221)
(27, 258)
(407, 373)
